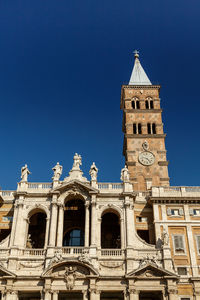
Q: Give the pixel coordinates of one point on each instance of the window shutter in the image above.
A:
(191, 211)
(178, 242)
(198, 243)
(181, 211)
(169, 212)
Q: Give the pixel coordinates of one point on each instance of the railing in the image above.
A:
(7, 193)
(112, 252)
(176, 191)
(72, 250)
(36, 186)
(110, 186)
(33, 252)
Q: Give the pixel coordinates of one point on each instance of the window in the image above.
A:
(195, 212)
(151, 128)
(198, 243)
(137, 128)
(135, 103)
(175, 211)
(179, 244)
(185, 298)
(74, 237)
(182, 271)
(141, 219)
(149, 104)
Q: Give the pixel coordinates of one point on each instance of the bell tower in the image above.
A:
(144, 139)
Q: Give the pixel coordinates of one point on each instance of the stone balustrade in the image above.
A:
(176, 191)
(111, 252)
(72, 251)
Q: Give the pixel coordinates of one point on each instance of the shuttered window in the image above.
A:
(198, 243)
(179, 243)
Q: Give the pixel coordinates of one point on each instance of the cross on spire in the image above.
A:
(136, 52)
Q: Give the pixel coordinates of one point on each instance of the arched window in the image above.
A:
(137, 128)
(151, 128)
(135, 103)
(74, 223)
(110, 231)
(36, 230)
(149, 104)
(74, 237)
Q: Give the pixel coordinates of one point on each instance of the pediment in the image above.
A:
(5, 273)
(151, 270)
(75, 186)
(63, 268)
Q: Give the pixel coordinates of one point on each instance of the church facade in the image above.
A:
(138, 239)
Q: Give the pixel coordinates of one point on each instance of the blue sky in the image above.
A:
(62, 64)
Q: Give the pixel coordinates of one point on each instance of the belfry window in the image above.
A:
(137, 128)
(151, 128)
(149, 104)
(135, 103)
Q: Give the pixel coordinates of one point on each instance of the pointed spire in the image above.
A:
(138, 76)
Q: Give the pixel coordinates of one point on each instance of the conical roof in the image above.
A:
(138, 76)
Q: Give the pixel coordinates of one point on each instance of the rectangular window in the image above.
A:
(179, 244)
(198, 243)
(196, 212)
(175, 212)
(182, 271)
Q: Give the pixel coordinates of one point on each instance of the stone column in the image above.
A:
(87, 223)
(47, 295)
(14, 224)
(15, 295)
(54, 213)
(93, 223)
(85, 295)
(17, 239)
(55, 295)
(133, 294)
(130, 225)
(46, 233)
(122, 233)
(60, 225)
(172, 294)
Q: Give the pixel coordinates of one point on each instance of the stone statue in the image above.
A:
(29, 242)
(93, 172)
(70, 276)
(165, 237)
(57, 171)
(24, 173)
(77, 161)
(125, 176)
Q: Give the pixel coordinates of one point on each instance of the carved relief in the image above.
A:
(112, 265)
(70, 277)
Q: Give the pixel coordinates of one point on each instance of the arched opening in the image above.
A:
(36, 230)
(110, 231)
(74, 223)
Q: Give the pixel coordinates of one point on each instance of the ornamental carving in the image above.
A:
(70, 277)
(112, 265)
(84, 257)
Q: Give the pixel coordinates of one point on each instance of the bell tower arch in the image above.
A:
(144, 138)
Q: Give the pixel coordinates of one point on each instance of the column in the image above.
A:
(92, 294)
(85, 295)
(46, 233)
(54, 213)
(122, 233)
(93, 223)
(60, 225)
(15, 295)
(17, 240)
(192, 251)
(87, 223)
(55, 295)
(47, 295)
(130, 225)
(133, 294)
(14, 225)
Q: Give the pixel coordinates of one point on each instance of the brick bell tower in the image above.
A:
(144, 139)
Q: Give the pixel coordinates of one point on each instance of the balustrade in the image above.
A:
(111, 252)
(72, 250)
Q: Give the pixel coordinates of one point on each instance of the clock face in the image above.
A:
(146, 158)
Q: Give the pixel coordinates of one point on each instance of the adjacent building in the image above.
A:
(78, 238)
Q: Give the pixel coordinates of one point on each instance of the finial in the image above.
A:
(136, 52)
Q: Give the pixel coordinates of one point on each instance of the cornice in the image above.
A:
(142, 136)
(150, 111)
(141, 87)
